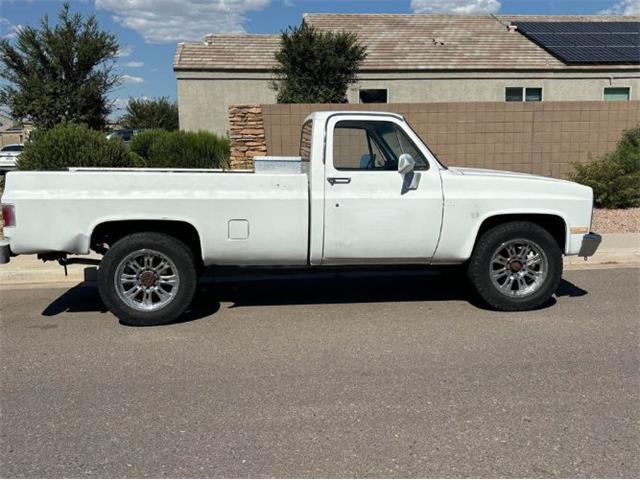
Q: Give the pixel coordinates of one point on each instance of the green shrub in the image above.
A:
(181, 149)
(72, 145)
(137, 161)
(614, 177)
(141, 142)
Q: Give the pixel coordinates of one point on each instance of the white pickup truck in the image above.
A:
(365, 190)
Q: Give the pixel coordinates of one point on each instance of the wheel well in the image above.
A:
(110, 232)
(551, 223)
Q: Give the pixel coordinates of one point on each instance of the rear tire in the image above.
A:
(147, 279)
(516, 266)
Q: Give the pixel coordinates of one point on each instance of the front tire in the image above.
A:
(147, 279)
(516, 266)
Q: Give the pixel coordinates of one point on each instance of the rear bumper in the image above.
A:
(590, 243)
(7, 164)
(5, 251)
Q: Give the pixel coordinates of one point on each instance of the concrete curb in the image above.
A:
(617, 250)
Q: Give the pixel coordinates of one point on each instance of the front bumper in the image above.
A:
(590, 243)
(5, 251)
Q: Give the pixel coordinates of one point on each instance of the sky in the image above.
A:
(148, 30)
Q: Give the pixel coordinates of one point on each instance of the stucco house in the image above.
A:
(412, 59)
(12, 131)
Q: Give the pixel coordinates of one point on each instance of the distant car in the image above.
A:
(8, 156)
(126, 134)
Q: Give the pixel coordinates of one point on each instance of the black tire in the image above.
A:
(480, 266)
(168, 246)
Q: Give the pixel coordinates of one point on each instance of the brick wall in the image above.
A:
(542, 138)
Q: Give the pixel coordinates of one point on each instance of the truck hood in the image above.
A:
(483, 172)
(513, 184)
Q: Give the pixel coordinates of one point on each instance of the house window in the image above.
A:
(373, 95)
(521, 94)
(533, 95)
(617, 94)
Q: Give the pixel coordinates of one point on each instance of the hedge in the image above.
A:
(179, 149)
(614, 177)
(141, 142)
(72, 145)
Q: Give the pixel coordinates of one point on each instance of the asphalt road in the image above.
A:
(337, 377)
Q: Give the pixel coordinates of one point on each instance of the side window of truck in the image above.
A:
(372, 145)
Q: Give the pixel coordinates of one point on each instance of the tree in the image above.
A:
(315, 66)
(151, 113)
(59, 73)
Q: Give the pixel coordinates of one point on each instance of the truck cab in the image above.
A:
(376, 193)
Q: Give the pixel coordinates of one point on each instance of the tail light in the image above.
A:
(9, 215)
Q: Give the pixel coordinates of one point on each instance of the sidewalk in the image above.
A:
(616, 250)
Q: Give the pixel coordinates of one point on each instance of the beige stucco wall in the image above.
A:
(555, 87)
(204, 97)
(7, 138)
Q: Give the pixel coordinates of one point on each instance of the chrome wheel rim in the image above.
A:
(518, 268)
(147, 280)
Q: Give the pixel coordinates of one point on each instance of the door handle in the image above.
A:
(334, 180)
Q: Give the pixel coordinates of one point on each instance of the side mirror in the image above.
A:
(406, 164)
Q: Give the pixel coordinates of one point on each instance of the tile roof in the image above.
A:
(398, 42)
(228, 52)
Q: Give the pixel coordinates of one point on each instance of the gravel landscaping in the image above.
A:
(616, 221)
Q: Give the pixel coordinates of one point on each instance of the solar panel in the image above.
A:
(586, 42)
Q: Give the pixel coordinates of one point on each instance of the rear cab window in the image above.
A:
(305, 141)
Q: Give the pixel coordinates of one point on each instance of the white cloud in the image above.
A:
(121, 103)
(7, 30)
(463, 7)
(165, 21)
(134, 64)
(623, 7)
(125, 51)
(131, 79)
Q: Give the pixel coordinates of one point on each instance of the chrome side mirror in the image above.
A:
(406, 164)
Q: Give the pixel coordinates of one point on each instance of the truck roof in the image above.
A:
(326, 114)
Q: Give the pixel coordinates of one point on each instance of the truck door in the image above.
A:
(372, 213)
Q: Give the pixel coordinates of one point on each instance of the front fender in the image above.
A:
(460, 231)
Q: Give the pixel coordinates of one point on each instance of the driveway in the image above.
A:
(339, 376)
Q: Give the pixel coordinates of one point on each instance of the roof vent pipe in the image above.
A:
(512, 28)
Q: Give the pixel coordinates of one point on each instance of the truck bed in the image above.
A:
(242, 218)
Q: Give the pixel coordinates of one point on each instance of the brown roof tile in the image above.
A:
(228, 52)
(397, 42)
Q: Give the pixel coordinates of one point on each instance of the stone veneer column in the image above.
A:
(246, 132)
